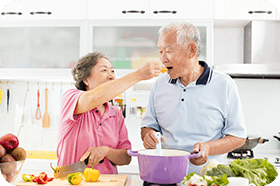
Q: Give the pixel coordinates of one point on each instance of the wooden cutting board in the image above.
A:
(104, 179)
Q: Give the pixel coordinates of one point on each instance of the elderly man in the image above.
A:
(193, 106)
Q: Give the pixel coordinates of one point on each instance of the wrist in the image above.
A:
(106, 150)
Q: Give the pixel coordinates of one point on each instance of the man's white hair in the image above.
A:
(186, 32)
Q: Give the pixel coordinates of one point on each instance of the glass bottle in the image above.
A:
(133, 108)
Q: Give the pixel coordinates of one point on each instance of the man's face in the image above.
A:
(102, 72)
(172, 55)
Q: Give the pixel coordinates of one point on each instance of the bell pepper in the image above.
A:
(91, 174)
(27, 177)
(9, 142)
(42, 178)
(55, 170)
(75, 178)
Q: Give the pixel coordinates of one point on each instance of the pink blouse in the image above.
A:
(76, 135)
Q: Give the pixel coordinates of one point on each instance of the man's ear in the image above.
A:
(192, 49)
(85, 81)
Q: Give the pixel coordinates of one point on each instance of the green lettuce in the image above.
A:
(258, 171)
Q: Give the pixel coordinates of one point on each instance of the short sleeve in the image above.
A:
(149, 119)
(68, 104)
(234, 121)
(123, 142)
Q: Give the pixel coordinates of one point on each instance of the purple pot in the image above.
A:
(169, 168)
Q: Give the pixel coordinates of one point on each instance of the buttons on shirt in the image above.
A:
(96, 111)
(184, 90)
(100, 124)
(182, 99)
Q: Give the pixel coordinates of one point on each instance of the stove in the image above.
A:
(158, 184)
(241, 153)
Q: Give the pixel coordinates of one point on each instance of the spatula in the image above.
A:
(46, 117)
(158, 145)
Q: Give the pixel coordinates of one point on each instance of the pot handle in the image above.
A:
(195, 154)
(132, 153)
(263, 140)
(277, 137)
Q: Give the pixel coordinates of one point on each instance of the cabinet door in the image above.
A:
(181, 9)
(244, 9)
(121, 9)
(129, 45)
(53, 9)
(39, 47)
(13, 10)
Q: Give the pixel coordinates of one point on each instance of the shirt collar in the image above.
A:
(110, 110)
(205, 77)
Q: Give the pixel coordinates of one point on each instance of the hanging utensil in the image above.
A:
(1, 93)
(38, 114)
(27, 108)
(8, 96)
(24, 104)
(46, 117)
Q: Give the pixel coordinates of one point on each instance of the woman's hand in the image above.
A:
(150, 140)
(95, 154)
(150, 70)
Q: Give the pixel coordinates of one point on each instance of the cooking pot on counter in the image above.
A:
(169, 168)
(251, 142)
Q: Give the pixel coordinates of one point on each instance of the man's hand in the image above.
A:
(150, 70)
(95, 154)
(204, 148)
(150, 139)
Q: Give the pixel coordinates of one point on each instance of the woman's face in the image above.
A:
(102, 72)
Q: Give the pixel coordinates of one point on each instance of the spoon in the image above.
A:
(38, 114)
(158, 145)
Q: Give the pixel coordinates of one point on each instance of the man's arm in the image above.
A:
(216, 147)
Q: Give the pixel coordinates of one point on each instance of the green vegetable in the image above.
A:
(188, 177)
(220, 170)
(220, 180)
(258, 171)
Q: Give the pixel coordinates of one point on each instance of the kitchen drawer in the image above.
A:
(14, 10)
(53, 9)
(121, 9)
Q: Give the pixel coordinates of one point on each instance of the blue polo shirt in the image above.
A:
(207, 109)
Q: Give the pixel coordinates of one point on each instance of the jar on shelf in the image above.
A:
(139, 112)
(133, 108)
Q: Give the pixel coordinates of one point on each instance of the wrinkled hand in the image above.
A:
(150, 140)
(204, 149)
(150, 70)
(95, 154)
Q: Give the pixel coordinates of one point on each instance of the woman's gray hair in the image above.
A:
(83, 68)
(185, 32)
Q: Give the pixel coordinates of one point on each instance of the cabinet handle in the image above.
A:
(165, 12)
(32, 13)
(133, 11)
(260, 12)
(11, 13)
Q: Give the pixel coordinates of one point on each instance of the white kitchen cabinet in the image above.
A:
(121, 9)
(181, 9)
(53, 9)
(14, 10)
(244, 10)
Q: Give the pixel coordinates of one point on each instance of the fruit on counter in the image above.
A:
(27, 177)
(55, 170)
(219, 171)
(7, 167)
(2, 151)
(19, 153)
(258, 171)
(75, 178)
(42, 178)
(91, 174)
(9, 142)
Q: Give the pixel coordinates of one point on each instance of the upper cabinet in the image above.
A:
(244, 9)
(14, 10)
(181, 9)
(53, 9)
(117, 9)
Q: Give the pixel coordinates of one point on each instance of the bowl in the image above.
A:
(10, 170)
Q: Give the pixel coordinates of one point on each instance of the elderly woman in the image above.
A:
(89, 127)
